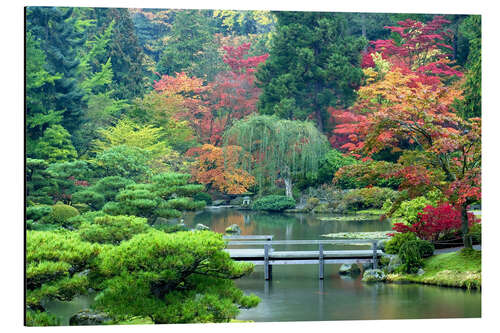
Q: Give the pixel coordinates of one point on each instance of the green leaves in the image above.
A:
(173, 278)
(112, 229)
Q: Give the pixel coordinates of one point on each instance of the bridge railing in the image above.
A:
(268, 243)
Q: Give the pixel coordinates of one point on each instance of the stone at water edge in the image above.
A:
(89, 317)
(218, 202)
(349, 269)
(200, 226)
(233, 229)
(373, 275)
(420, 271)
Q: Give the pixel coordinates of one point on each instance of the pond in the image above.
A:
(296, 294)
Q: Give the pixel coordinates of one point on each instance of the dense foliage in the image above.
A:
(136, 116)
(192, 284)
(273, 203)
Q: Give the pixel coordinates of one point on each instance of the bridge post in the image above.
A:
(374, 247)
(267, 268)
(321, 263)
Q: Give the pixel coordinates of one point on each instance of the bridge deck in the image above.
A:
(259, 254)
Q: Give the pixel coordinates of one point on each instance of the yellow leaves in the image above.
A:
(128, 133)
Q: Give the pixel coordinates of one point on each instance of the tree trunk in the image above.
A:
(288, 187)
(465, 228)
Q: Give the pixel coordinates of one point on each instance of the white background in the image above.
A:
(12, 176)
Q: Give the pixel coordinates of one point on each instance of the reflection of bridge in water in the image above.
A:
(268, 257)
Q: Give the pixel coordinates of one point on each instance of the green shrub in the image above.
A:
(311, 203)
(425, 248)
(202, 196)
(112, 229)
(411, 260)
(393, 245)
(184, 203)
(374, 197)
(91, 198)
(110, 186)
(37, 318)
(409, 209)
(124, 161)
(333, 161)
(35, 213)
(60, 215)
(87, 217)
(273, 203)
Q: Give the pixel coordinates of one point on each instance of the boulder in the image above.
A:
(367, 265)
(238, 201)
(420, 271)
(218, 202)
(200, 226)
(233, 229)
(349, 269)
(373, 275)
(89, 317)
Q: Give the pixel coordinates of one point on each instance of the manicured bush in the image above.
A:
(273, 203)
(374, 197)
(60, 215)
(411, 259)
(311, 203)
(185, 277)
(112, 229)
(110, 186)
(87, 217)
(184, 203)
(53, 261)
(394, 244)
(88, 197)
(35, 213)
(202, 196)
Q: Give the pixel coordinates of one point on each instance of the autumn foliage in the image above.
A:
(217, 168)
(444, 220)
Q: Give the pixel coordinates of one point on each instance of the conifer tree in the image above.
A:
(60, 40)
(313, 64)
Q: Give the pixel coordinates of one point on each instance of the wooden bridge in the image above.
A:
(268, 257)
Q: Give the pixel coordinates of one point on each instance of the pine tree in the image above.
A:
(471, 105)
(60, 40)
(313, 64)
(190, 47)
(126, 56)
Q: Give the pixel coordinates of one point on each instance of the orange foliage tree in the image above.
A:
(217, 168)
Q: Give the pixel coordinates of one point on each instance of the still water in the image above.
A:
(296, 294)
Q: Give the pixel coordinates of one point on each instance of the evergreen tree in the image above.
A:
(126, 56)
(39, 107)
(60, 40)
(313, 64)
(190, 47)
(471, 105)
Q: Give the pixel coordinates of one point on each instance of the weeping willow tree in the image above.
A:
(276, 148)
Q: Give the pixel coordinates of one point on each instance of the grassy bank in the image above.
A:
(456, 269)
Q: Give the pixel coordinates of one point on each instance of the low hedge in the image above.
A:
(274, 203)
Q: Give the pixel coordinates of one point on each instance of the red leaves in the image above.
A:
(435, 222)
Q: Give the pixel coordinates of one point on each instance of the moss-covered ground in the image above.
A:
(455, 269)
